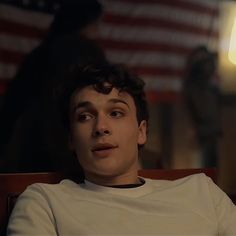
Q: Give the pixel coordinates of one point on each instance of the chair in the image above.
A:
(12, 185)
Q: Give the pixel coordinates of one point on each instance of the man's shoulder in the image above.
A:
(191, 192)
(45, 189)
(194, 178)
(190, 185)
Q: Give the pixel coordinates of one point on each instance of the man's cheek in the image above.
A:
(82, 142)
(131, 135)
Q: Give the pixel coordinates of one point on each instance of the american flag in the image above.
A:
(153, 37)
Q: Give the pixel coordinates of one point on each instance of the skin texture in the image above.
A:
(105, 135)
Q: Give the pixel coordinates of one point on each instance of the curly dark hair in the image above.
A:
(103, 78)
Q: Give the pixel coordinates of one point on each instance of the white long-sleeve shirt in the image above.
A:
(193, 205)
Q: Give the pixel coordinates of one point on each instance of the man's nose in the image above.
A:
(101, 127)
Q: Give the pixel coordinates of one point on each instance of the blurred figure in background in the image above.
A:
(202, 96)
(31, 139)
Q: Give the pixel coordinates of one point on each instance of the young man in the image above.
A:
(106, 116)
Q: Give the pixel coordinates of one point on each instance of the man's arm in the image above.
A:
(225, 210)
(32, 215)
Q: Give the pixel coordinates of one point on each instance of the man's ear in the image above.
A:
(142, 136)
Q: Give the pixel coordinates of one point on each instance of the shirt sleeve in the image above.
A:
(32, 214)
(225, 210)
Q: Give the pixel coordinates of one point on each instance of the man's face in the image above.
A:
(105, 133)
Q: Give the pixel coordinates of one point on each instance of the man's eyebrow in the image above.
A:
(84, 104)
(87, 104)
(117, 100)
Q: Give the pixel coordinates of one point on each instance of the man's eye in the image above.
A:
(117, 114)
(84, 117)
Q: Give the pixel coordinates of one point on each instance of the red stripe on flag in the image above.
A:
(143, 46)
(157, 71)
(15, 28)
(181, 4)
(158, 23)
(11, 57)
(166, 96)
(3, 86)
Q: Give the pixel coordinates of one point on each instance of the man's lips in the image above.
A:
(103, 149)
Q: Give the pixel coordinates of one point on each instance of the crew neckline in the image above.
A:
(132, 192)
(142, 182)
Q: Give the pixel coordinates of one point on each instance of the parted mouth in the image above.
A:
(103, 146)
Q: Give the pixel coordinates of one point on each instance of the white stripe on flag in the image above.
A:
(144, 58)
(30, 18)
(17, 43)
(152, 34)
(7, 71)
(207, 3)
(163, 84)
(155, 10)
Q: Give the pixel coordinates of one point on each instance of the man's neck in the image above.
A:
(124, 179)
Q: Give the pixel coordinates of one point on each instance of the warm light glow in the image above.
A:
(232, 45)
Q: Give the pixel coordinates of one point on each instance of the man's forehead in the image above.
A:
(89, 91)
(89, 97)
